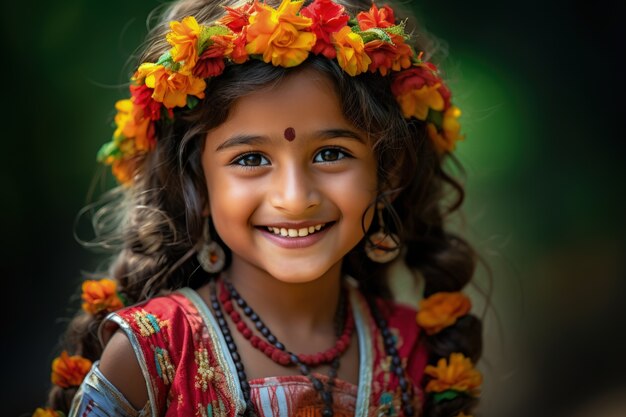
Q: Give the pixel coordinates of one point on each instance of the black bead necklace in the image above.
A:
(396, 362)
(324, 392)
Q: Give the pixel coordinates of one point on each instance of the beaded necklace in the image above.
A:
(276, 349)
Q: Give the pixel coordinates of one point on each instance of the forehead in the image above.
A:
(305, 101)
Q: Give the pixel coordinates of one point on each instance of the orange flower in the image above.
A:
(387, 56)
(170, 88)
(416, 103)
(278, 34)
(69, 371)
(131, 125)
(46, 412)
(100, 296)
(184, 39)
(124, 169)
(459, 375)
(376, 18)
(446, 139)
(441, 310)
(351, 51)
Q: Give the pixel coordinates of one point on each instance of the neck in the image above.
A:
(308, 306)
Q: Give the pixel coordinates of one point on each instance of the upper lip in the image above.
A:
(294, 225)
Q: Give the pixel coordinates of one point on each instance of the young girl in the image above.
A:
(274, 159)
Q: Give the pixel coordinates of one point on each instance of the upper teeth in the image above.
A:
(304, 231)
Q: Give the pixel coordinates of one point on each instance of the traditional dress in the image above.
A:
(189, 371)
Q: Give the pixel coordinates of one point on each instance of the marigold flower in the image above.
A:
(124, 169)
(239, 54)
(446, 139)
(278, 34)
(211, 62)
(328, 17)
(170, 88)
(237, 18)
(142, 97)
(100, 295)
(184, 40)
(441, 310)
(351, 54)
(376, 18)
(132, 126)
(47, 412)
(69, 371)
(387, 56)
(458, 375)
(417, 103)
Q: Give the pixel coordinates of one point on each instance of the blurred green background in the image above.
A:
(539, 85)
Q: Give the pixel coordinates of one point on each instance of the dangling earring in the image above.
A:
(382, 246)
(211, 255)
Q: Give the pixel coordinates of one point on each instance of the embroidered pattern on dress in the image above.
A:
(147, 323)
(164, 366)
(205, 372)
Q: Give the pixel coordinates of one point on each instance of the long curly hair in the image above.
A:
(155, 226)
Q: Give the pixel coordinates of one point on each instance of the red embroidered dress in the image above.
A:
(189, 371)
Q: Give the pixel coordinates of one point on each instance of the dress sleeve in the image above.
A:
(97, 397)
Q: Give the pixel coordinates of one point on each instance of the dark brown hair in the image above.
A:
(157, 223)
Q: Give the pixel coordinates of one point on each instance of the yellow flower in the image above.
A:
(458, 375)
(351, 51)
(278, 35)
(170, 88)
(445, 141)
(46, 412)
(130, 125)
(69, 371)
(441, 310)
(416, 102)
(184, 39)
(100, 296)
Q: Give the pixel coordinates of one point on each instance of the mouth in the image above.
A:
(295, 232)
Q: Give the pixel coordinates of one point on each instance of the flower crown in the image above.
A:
(285, 36)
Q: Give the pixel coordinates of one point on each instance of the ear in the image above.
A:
(206, 212)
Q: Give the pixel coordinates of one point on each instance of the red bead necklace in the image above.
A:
(271, 347)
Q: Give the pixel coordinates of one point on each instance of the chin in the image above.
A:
(298, 274)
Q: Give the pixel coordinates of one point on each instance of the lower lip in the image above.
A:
(295, 242)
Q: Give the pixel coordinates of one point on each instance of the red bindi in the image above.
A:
(290, 134)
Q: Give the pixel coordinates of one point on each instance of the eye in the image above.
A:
(330, 155)
(251, 160)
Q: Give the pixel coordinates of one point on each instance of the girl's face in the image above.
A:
(289, 180)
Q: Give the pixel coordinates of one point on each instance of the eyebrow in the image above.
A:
(239, 140)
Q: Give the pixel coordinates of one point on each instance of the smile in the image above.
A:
(300, 232)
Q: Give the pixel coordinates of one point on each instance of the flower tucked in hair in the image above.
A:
(453, 378)
(47, 412)
(421, 93)
(69, 371)
(100, 296)
(284, 36)
(441, 310)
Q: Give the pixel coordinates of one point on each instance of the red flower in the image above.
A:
(142, 97)
(237, 17)
(328, 18)
(239, 54)
(376, 18)
(211, 62)
(386, 56)
(415, 78)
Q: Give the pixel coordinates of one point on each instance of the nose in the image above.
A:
(294, 190)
